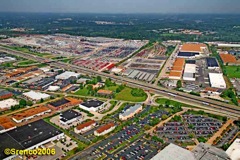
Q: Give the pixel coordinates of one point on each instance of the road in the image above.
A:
(231, 110)
(167, 65)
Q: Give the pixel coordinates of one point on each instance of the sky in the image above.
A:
(121, 6)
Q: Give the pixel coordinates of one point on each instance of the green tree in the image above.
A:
(99, 79)
(167, 103)
(164, 117)
(23, 102)
(179, 84)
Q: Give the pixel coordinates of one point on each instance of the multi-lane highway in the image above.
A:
(227, 109)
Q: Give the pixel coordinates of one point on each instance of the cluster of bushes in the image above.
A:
(120, 88)
(137, 92)
(229, 93)
(22, 104)
(109, 83)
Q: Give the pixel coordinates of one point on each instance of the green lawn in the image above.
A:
(162, 101)
(26, 62)
(233, 71)
(26, 50)
(66, 60)
(112, 88)
(82, 92)
(126, 95)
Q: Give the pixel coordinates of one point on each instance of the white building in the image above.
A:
(69, 116)
(117, 70)
(130, 112)
(8, 103)
(67, 75)
(53, 88)
(174, 152)
(104, 129)
(36, 96)
(217, 80)
(189, 72)
(92, 105)
(84, 127)
(234, 150)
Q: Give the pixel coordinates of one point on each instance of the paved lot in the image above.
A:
(56, 120)
(173, 131)
(228, 136)
(117, 139)
(140, 149)
(202, 126)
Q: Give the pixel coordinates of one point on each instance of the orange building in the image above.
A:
(65, 102)
(228, 58)
(177, 69)
(30, 113)
(104, 92)
(84, 127)
(193, 47)
(105, 129)
(6, 124)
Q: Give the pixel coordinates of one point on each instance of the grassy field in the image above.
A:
(111, 88)
(27, 51)
(27, 62)
(162, 101)
(82, 92)
(126, 95)
(233, 71)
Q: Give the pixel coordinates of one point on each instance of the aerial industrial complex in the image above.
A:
(105, 98)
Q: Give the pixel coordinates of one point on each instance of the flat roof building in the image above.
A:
(36, 96)
(92, 105)
(194, 47)
(104, 92)
(174, 152)
(105, 129)
(69, 116)
(6, 124)
(4, 94)
(189, 72)
(217, 80)
(29, 136)
(212, 63)
(228, 59)
(53, 88)
(65, 102)
(30, 114)
(8, 103)
(188, 55)
(177, 69)
(84, 127)
(130, 112)
(67, 75)
(234, 150)
(205, 151)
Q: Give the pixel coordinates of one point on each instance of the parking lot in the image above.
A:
(147, 120)
(228, 136)
(174, 131)
(202, 126)
(112, 142)
(140, 149)
(189, 128)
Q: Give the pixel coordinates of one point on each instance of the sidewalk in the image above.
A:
(166, 120)
(218, 133)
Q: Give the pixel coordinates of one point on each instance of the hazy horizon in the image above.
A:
(122, 6)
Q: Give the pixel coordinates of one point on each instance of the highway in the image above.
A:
(228, 109)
